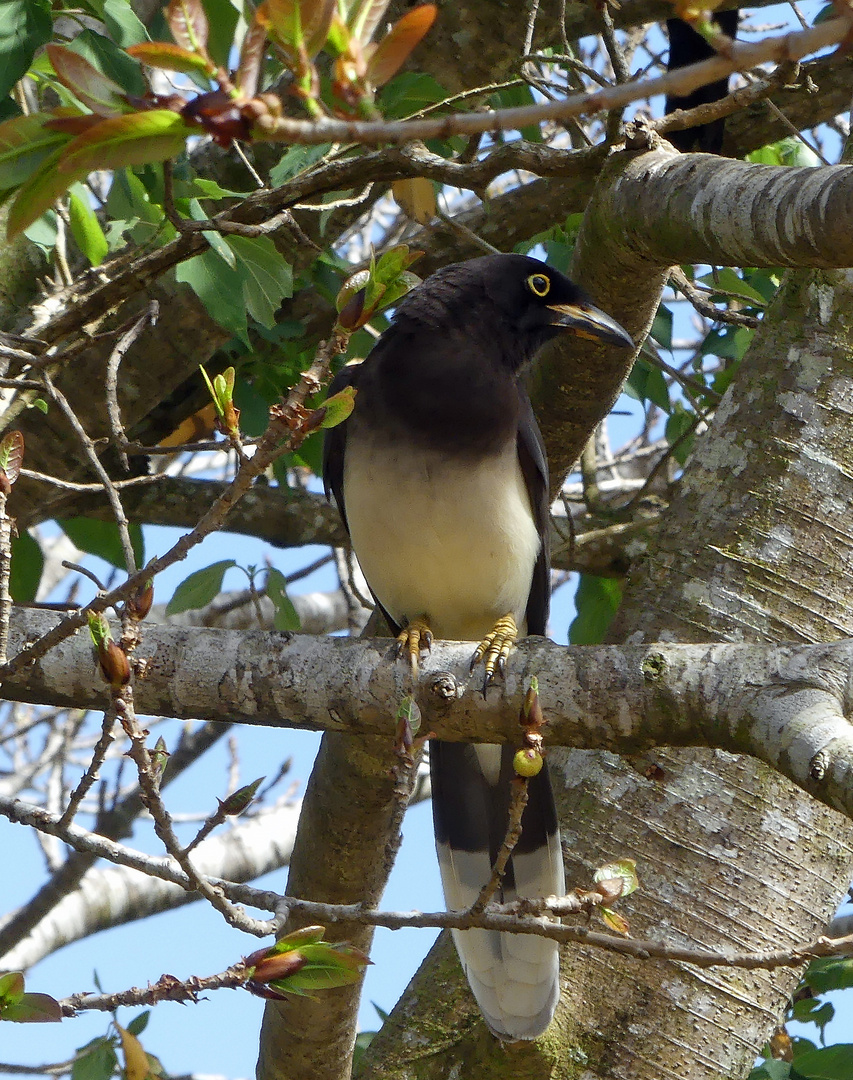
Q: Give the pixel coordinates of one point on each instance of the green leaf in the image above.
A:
(788, 151)
(254, 408)
(27, 567)
(240, 799)
(199, 588)
(338, 407)
(139, 1023)
(624, 869)
(114, 142)
(830, 973)
(596, 600)
(12, 987)
(215, 239)
(677, 426)
(219, 288)
(510, 97)
(123, 23)
(328, 965)
(110, 60)
(95, 1061)
(209, 189)
(409, 93)
(285, 617)
(646, 383)
(25, 142)
(85, 227)
(222, 17)
(26, 25)
(296, 159)
(268, 278)
(813, 1011)
(771, 1070)
(102, 538)
(729, 343)
(826, 1063)
(727, 280)
(661, 329)
(362, 1041)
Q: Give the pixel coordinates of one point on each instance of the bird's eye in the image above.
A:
(539, 284)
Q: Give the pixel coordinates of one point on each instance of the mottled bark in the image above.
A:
(728, 851)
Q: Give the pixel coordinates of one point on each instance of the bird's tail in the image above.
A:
(514, 977)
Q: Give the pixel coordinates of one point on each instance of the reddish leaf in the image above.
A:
(163, 54)
(101, 94)
(111, 144)
(12, 455)
(317, 18)
(34, 1009)
(188, 23)
(251, 58)
(394, 49)
(73, 125)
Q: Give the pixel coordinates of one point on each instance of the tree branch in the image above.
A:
(786, 705)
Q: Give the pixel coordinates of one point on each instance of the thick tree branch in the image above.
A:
(786, 705)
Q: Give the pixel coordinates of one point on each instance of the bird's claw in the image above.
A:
(413, 639)
(494, 650)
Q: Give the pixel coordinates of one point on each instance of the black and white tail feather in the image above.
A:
(514, 977)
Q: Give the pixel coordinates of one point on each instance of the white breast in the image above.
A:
(454, 542)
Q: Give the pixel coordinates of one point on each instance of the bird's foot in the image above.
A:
(494, 649)
(415, 638)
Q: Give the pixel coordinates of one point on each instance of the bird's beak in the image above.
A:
(590, 322)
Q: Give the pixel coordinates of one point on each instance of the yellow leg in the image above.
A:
(495, 647)
(413, 639)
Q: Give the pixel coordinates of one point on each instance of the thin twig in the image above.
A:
(148, 317)
(91, 774)
(504, 918)
(150, 791)
(517, 803)
(680, 82)
(70, 485)
(90, 574)
(91, 454)
(680, 281)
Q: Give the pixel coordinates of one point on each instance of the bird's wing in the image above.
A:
(534, 468)
(335, 443)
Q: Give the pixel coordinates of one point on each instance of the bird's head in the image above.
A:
(512, 299)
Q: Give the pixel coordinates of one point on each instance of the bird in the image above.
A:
(686, 46)
(441, 480)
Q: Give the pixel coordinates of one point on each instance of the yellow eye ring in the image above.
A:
(539, 284)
